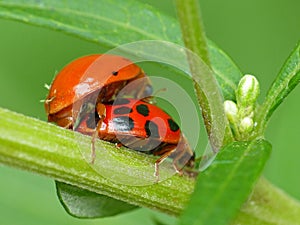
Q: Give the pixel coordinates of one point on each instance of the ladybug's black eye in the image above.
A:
(115, 73)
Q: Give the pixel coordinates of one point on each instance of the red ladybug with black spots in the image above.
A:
(141, 126)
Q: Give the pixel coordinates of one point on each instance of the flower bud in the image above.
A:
(231, 111)
(246, 125)
(247, 91)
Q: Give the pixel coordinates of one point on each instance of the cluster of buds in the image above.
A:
(241, 113)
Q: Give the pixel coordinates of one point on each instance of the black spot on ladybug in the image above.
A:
(173, 126)
(151, 129)
(142, 109)
(123, 123)
(121, 101)
(122, 110)
(115, 73)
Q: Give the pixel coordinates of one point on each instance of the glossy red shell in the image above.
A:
(147, 120)
(86, 75)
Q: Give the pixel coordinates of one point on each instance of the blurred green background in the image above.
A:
(258, 35)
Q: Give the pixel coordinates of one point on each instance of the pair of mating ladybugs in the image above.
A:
(133, 122)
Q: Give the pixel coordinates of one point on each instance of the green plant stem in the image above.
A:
(49, 150)
(36, 146)
(269, 205)
(192, 28)
(195, 40)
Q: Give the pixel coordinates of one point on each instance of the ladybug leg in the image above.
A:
(175, 161)
(164, 153)
(183, 155)
(101, 110)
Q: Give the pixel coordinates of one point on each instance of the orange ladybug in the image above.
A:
(94, 76)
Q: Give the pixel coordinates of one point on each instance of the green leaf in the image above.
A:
(86, 204)
(156, 221)
(112, 23)
(109, 22)
(222, 189)
(287, 79)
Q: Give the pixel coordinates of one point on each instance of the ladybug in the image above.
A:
(140, 126)
(98, 77)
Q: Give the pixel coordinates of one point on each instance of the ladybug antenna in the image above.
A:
(159, 90)
(151, 99)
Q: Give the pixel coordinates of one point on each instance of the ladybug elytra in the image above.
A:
(100, 75)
